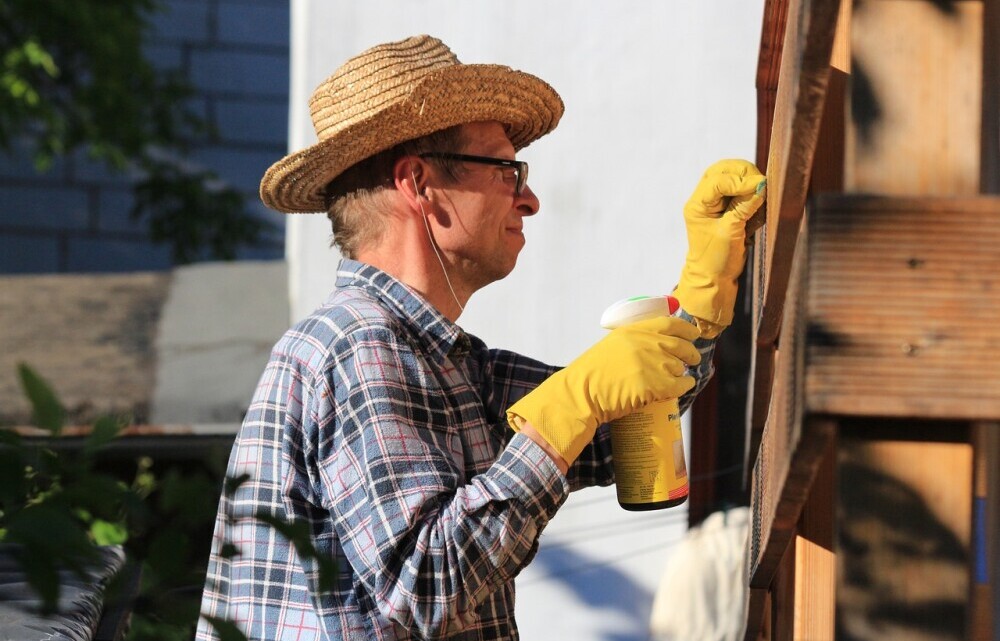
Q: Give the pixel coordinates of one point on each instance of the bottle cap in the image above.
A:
(638, 308)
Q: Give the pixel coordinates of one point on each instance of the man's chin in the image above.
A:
(500, 272)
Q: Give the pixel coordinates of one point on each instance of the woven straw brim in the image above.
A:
(455, 95)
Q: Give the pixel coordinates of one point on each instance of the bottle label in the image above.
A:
(648, 453)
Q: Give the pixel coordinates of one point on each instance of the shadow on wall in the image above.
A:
(599, 586)
(902, 572)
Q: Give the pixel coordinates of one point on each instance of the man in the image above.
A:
(423, 464)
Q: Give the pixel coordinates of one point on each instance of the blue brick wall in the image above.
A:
(75, 216)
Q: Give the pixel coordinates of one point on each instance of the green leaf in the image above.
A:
(9, 437)
(104, 430)
(327, 579)
(168, 553)
(234, 483)
(183, 496)
(226, 630)
(298, 533)
(76, 76)
(48, 411)
(100, 494)
(155, 627)
(145, 481)
(39, 57)
(108, 533)
(13, 479)
(49, 538)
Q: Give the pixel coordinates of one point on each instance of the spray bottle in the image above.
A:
(650, 473)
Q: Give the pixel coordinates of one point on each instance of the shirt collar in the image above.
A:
(439, 336)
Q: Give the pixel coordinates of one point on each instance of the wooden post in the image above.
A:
(904, 521)
(783, 598)
(916, 98)
(985, 599)
(815, 562)
(891, 344)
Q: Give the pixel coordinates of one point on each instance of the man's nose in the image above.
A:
(527, 202)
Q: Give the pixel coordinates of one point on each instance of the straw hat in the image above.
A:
(396, 92)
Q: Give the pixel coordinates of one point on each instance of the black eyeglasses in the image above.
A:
(519, 166)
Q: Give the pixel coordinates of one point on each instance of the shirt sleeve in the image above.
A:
(428, 547)
(703, 371)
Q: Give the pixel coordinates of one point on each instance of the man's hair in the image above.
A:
(357, 200)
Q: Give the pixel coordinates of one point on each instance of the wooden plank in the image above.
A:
(782, 505)
(760, 383)
(762, 356)
(783, 598)
(772, 34)
(779, 440)
(904, 515)
(902, 307)
(815, 562)
(758, 624)
(791, 448)
(990, 157)
(993, 521)
(828, 162)
(986, 531)
(916, 98)
(829, 140)
(805, 69)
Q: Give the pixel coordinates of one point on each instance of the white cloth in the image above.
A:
(702, 594)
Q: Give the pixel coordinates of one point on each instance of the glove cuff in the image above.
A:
(708, 330)
(709, 301)
(560, 424)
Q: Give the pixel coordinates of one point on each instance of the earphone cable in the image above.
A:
(430, 237)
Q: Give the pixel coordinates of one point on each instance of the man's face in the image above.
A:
(481, 225)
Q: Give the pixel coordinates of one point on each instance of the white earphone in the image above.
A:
(430, 237)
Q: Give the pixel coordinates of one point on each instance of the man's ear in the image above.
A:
(410, 177)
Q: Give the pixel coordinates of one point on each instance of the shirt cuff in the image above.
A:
(526, 471)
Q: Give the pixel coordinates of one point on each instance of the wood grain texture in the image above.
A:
(805, 69)
(916, 98)
(760, 384)
(896, 313)
(902, 307)
(783, 598)
(816, 118)
(786, 492)
(815, 561)
(768, 71)
(990, 157)
(791, 448)
(758, 615)
(986, 464)
(904, 515)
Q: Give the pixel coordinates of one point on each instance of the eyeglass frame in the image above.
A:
(520, 167)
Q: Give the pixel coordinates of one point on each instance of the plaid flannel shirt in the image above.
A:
(379, 426)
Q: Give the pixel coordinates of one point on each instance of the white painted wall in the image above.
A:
(654, 93)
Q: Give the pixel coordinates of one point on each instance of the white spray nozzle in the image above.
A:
(638, 308)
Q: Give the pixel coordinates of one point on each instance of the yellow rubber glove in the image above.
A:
(716, 214)
(631, 366)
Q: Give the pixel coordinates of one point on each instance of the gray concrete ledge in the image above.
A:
(184, 347)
